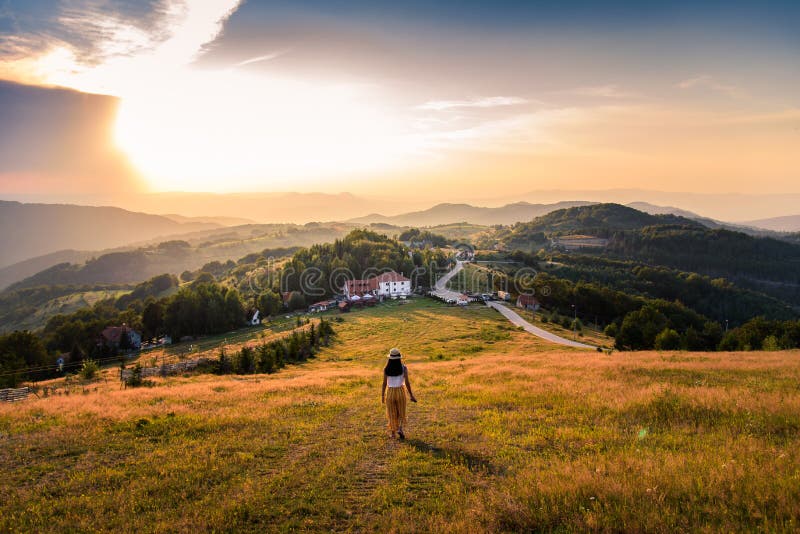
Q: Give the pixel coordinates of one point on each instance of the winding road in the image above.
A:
(441, 291)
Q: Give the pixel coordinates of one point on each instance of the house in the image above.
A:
(256, 319)
(388, 284)
(392, 284)
(527, 302)
(462, 300)
(357, 288)
(504, 295)
(344, 306)
(321, 306)
(578, 242)
(121, 336)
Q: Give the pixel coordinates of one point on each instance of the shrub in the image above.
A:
(135, 379)
(89, 369)
(770, 343)
(667, 339)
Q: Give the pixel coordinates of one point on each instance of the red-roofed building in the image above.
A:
(358, 288)
(389, 284)
(117, 336)
(527, 302)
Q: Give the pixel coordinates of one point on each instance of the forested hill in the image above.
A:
(600, 220)
(606, 217)
(764, 264)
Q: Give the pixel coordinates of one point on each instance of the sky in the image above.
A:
(446, 100)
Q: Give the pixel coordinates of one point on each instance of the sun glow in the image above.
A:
(215, 132)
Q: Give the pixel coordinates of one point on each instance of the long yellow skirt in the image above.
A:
(396, 408)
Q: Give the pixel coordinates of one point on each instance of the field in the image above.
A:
(510, 434)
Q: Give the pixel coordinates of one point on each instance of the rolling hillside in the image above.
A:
(40, 229)
(509, 435)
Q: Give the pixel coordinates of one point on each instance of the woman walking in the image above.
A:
(395, 376)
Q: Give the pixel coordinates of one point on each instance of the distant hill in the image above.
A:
(23, 269)
(31, 230)
(597, 219)
(763, 264)
(221, 221)
(179, 253)
(746, 228)
(442, 214)
(788, 223)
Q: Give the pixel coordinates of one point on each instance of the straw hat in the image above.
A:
(394, 354)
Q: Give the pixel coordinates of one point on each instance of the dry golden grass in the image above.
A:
(510, 434)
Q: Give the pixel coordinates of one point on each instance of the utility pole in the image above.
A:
(575, 322)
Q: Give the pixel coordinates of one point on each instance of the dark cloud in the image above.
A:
(61, 140)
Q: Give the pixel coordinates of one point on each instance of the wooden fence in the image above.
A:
(14, 395)
(165, 369)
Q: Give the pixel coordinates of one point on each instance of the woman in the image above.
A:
(395, 376)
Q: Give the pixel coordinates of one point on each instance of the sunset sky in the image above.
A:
(449, 99)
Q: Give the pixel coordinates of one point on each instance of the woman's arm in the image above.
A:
(383, 389)
(408, 384)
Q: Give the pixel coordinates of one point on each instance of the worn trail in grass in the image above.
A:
(510, 434)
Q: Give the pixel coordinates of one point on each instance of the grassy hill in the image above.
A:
(509, 434)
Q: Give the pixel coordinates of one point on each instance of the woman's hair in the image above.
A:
(394, 367)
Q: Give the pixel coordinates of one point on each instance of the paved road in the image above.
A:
(515, 318)
(440, 289)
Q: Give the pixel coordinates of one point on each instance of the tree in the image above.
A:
(269, 303)
(296, 301)
(266, 359)
(18, 351)
(153, 319)
(245, 363)
(667, 339)
(640, 328)
(234, 309)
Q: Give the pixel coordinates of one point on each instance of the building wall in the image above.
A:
(394, 288)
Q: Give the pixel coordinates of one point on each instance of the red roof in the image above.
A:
(359, 287)
(113, 334)
(527, 300)
(392, 276)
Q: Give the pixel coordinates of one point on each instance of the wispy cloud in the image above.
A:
(258, 59)
(604, 91)
(487, 102)
(88, 44)
(709, 82)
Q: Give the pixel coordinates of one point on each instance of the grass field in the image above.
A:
(510, 434)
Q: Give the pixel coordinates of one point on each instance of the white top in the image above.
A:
(396, 381)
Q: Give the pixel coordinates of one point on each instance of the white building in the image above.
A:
(389, 284)
(392, 284)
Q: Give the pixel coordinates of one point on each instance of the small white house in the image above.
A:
(256, 319)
